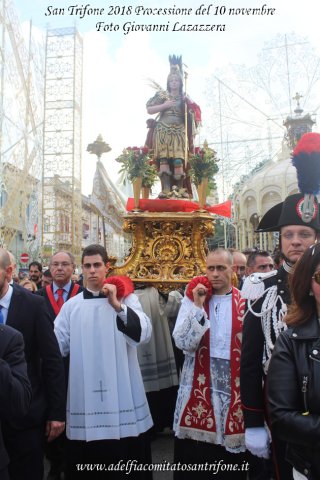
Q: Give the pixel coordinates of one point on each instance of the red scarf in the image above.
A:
(198, 414)
(74, 290)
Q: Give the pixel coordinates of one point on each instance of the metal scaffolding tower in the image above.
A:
(21, 116)
(61, 181)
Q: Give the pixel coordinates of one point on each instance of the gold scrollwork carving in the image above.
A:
(168, 249)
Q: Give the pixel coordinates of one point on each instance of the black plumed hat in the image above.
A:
(300, 208)
(289, 212)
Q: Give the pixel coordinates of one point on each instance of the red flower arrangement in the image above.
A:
(136, 162)
(203, 165)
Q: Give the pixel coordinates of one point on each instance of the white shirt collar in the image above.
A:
(227, 294)
(95, 294)
(5, 301)
(66, 287)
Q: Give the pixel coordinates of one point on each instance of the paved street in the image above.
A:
(162, 449)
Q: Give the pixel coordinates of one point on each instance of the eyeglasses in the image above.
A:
(316, 277)
(62, 264)
(300, 235)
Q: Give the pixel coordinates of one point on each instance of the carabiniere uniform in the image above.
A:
(262, 324)
(264, 321)
(265, 317)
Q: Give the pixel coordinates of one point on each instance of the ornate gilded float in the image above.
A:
(168, 249)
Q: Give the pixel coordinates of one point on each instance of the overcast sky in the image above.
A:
(117, 65)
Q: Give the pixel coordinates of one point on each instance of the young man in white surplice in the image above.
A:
(108, 417)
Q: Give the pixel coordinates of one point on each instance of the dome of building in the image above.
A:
(268, 184)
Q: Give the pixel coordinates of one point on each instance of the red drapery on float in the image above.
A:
(160, 205)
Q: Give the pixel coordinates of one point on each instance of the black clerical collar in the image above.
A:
(88, 294)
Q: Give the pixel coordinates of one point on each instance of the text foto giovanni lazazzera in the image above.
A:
(124, 16)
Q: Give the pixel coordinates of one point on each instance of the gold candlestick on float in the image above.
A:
(203, 165)
(145, 192)
(136, 184)
(202, 189)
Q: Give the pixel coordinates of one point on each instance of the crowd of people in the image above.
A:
(91, 367)
(71, 383)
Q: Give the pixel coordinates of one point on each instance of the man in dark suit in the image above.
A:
(24, 441)
(62, 288)
(62, 265)
(15, 388)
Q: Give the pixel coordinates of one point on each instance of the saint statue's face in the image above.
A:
(174, 83)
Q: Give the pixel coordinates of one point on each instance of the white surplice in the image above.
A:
(106, 397)
(156, 359)
(187, 335)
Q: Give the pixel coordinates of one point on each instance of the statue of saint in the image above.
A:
(167, 135)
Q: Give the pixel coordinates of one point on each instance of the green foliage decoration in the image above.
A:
(203, 164)
(136, 162)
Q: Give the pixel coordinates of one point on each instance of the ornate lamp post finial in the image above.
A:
(98, 147)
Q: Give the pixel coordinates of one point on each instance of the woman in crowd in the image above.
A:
(28, 284)
(294, 372)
